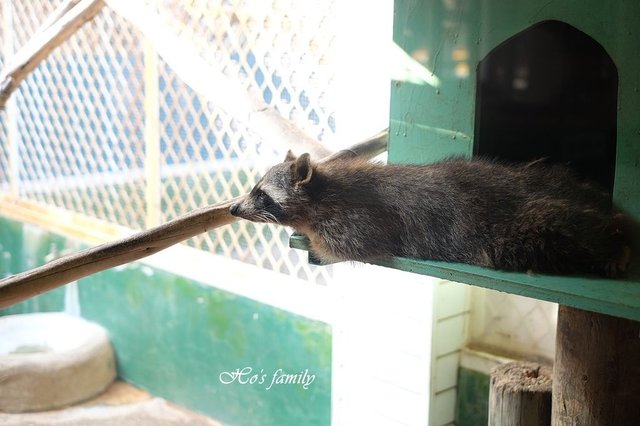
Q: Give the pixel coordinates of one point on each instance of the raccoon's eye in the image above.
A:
(262, 199)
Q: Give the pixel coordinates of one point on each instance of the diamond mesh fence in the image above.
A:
(208, 156)
(283, 48)
(81, 121)
(81, 116)
(79, 127)
(4, 155)
(26, 17)
(4, 163)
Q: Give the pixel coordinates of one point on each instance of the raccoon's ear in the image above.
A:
(302, 170)
(290, 156)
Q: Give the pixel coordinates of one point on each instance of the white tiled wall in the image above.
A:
(397, 339)
(382, 326)
(513, 324)
(451, 312)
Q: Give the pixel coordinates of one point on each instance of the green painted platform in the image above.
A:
(620, 298)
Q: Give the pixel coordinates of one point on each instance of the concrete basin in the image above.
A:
(52, 360)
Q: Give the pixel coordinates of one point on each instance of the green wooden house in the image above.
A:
(518, 81)
(521, 81)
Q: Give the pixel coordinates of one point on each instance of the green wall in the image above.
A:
(174, 337)
(18, 254)
(472, 398)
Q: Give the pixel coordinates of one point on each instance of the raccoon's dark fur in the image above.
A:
(532, 217)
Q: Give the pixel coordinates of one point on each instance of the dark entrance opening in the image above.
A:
(549, 91)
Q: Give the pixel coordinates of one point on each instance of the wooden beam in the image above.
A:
(70, 268)
(369, 148)
(70, 17)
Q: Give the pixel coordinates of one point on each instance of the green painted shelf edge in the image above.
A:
(619, 298)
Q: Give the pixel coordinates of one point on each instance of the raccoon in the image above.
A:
(530, 217)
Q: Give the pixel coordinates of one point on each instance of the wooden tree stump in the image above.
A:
(597, 370)
(520, 395)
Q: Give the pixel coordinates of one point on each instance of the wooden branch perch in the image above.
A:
(369, 148)
(69, 268)
(72, 267)
(64, 22)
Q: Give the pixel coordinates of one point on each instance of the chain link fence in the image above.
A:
(83, 116)
(4, 155)
(80, 123)
(283, 48)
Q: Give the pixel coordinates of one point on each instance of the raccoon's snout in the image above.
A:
(234, 209)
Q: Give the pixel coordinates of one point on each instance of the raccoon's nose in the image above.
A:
(234, 209)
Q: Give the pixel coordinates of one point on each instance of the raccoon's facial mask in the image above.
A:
(259, 205)
(277, 195)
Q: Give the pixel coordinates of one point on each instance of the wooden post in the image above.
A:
(597, 370)
(520, 395)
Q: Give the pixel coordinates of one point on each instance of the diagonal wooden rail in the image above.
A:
(22, 286)
(61, 25)
(206, 80)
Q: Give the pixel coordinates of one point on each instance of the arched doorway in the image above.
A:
(549, 91)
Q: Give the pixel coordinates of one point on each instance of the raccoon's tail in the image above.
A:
(554, 236)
